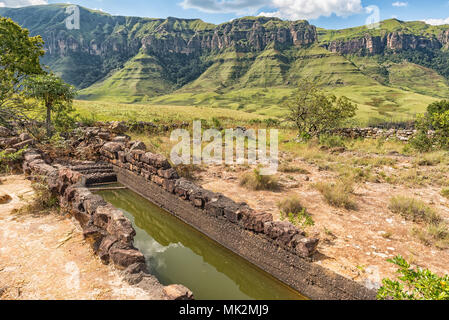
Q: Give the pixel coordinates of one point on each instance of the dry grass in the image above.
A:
(445, 192)
(339, 194)
(289, 168)
(255, 181)
(290, 204)
(43, 201)
(413, 209)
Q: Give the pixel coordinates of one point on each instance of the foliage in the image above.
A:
(437, 119)
(313, 112)
(255, 181)
(301, 218)
(56, 96)
(19, 58)
(445, 192)
(414, 284)
(10, 159)
(43, 200)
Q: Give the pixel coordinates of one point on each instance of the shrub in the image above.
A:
(291, 204)
(413, 209)
(414, 284)
(43, 200)
(9, 160)
(302, 218)
(255, 181)
(338, 194)
(445, 192)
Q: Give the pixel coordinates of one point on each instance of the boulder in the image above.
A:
(304, 247)
(124, 256)
(282, 231)
(4, 198)
(178, 292)
(255, 221)
(168, 173)
(120, 227)
(5, 132)
(118, 127)
(138, 145)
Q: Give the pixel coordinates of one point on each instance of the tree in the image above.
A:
(437, 119)
(19, 59)
(313, 111)
(55, 94)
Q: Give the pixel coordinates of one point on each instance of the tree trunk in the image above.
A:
(48, 120)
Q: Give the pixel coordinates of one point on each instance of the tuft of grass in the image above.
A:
(255, 181)
(433, 234)
(338, 194)
(290, 204)
(413, 209)
(289, 168)
(42, 202)
(188, 171)
(432, 159)
(445, 192)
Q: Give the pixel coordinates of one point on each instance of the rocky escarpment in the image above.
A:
(247, 34)
(394, 41)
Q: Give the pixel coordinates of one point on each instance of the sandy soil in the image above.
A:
(353, 243)
(45, 256)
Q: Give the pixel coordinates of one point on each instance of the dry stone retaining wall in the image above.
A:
(106, 228)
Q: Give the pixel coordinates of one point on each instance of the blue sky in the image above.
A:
(322, 13)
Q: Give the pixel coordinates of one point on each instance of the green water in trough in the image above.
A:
(176, 253)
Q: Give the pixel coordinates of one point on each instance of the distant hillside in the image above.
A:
(252, 63)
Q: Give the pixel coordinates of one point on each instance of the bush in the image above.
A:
(414, 284)
(43, 200)
(8, 161)
(338, 194)
(415, 210)
(445, 192)
(255, 181)
(291, 204)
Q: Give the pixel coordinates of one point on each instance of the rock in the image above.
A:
(255, 221)
(24, 137)
(156, 160)
(124, 256)
(305, 247)
(168, 174)
(103, 250)
(281, 231)
(178, 292)
(138, 145)
(24, 144)
(4, 198)
(120, 227)
(118, 127)
(5, 132)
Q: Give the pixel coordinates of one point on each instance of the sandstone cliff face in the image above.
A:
(394, 41)
(241, 34)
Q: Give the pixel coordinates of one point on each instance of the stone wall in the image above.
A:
(376, 133)
(132, 156)
(106, 228)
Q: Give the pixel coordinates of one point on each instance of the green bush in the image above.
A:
(414, 284)
(332, 141)
(9, 160)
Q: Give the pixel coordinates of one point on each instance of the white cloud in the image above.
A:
(287, 9)
(21, 3)
(437, 22)
(400, 4)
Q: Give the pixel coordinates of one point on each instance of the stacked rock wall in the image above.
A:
(376, 133)
(106, 228)
(157, 169)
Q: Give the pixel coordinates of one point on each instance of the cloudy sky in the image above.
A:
(323, 13)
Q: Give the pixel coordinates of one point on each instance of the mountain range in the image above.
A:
(251, 63)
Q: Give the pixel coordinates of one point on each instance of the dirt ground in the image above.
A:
(356, 243)
(45, 256)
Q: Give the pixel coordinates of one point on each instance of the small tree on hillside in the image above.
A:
(436, 118)
(19, 58)
(314, 112)
(56, 95)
